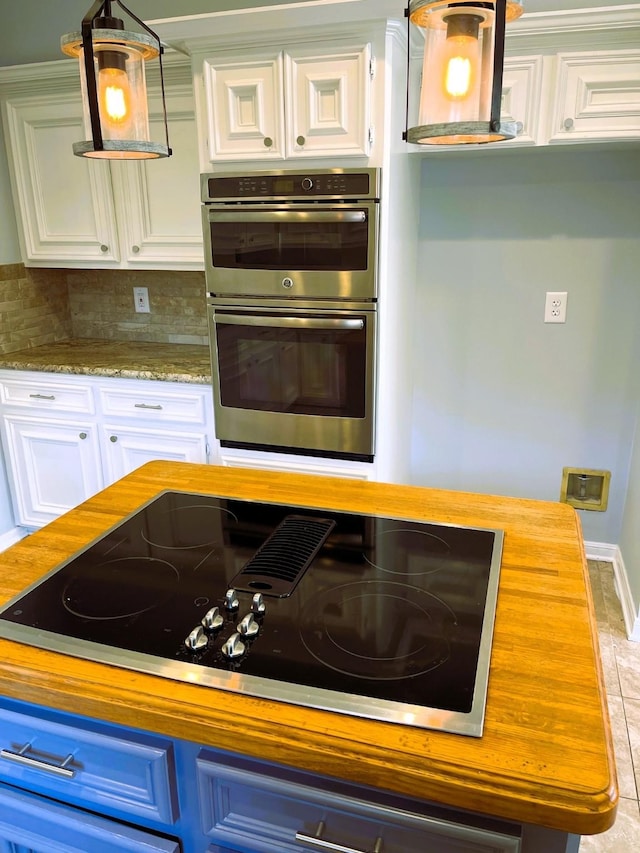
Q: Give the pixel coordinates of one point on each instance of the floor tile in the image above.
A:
(621, 743)
(627, 654)
(624, 835)
(632, 715)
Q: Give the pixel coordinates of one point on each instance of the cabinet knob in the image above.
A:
(104, 248)
(83, 435)
(113, 438)
(300, 140)
(135, 249)
(268, 142)
(568, 124)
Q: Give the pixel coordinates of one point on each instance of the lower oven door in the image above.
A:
(295, 379)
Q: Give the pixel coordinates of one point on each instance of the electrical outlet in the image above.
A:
(555, 307)
(141, 300)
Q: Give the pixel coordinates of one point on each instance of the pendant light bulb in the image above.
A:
(462, 55)
(114, 93)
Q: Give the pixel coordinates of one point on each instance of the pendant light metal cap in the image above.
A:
(419, 10)
(146, 45)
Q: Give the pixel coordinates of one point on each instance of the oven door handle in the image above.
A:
(288, 216)
(288, 322)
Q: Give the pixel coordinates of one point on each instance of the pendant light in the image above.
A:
(461, 89)
(112, 72)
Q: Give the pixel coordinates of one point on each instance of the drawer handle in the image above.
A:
(319, 843)
(43, 396)
(21, 757)
(146, 406)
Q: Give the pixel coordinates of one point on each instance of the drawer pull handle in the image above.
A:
(319, 843)
(21, 757)
(43, 396)
(147, 406)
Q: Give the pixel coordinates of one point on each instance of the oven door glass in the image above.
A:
(303, 364)
(289, 239)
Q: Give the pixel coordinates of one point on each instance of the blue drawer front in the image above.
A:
(125, 773)
(30, 823)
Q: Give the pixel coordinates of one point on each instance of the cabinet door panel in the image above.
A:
(158, 201)
(327, 102)
(598, 96)
(65, 203)
(244, 108)
(126, 448)
(31, 824)
(55, 465)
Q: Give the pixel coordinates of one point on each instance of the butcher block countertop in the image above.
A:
(546, 753)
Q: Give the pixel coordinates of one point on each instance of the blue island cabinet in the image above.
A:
(70, 784)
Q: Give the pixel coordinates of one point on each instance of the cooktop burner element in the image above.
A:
(374, 616)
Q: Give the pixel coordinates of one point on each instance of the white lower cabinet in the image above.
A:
(127, 448)
(67, 438)
(55, 465)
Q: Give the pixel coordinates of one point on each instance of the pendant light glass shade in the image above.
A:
(112, 73)
(461, 90)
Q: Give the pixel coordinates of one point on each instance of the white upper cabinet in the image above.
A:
(597, 96)
(76, 212)
(308, 102)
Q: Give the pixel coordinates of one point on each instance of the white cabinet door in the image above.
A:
(74, 212)
(54, 466)
(327, 102)
(245, 117)
(127, 447)
(307, 102)
(521, 97)
(597, 96)
(64, 203)
(158, 201)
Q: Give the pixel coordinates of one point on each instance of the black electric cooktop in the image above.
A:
(375, 616)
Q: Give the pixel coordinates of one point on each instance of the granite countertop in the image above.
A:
(126, 359)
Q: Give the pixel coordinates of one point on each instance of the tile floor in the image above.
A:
(621, 664)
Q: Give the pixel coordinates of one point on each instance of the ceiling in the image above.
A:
(31, 29)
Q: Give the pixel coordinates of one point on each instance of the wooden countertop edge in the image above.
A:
(579, 811)
(348, 748)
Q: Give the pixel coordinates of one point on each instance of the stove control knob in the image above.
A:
(234, 647)
(231, 600)
(196, 640)
(213, 619)
(248, 626)
(257, 603)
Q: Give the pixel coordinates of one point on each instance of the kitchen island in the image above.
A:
(544, 763)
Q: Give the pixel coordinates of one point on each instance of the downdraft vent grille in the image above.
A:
(280, 562)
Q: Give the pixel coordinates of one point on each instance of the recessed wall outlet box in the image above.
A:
(141, 300)
(555, 306)
(585, 488)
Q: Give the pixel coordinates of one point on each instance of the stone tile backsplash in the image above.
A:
(101, 305)
(34, 307)
(40, 306)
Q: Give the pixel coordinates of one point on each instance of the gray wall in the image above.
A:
(630, 538)
(502, 400)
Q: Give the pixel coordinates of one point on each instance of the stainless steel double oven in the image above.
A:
(291, 275)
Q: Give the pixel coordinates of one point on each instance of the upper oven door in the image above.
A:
(324, 250)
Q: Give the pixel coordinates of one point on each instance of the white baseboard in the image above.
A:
(11, 537)
(613, 554)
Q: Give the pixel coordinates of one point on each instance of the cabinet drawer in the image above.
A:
(31, 823)
(154, 404)
(240, 803)
(47, 396)
(129, 775)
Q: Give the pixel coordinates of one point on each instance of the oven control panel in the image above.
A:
(332, 183)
